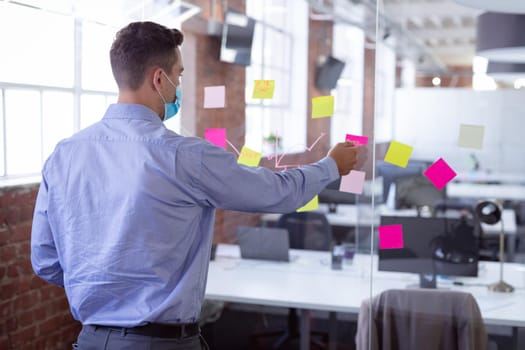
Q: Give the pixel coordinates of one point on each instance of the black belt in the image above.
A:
(158, 330)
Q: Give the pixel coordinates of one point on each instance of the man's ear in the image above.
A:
(155, 78)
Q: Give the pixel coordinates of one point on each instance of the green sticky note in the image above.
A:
(263, 89)
(322, 106)
(249, 157)
(471, 136)
(311, 205)
(398, 154)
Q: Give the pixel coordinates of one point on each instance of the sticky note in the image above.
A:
(249, 157)
(311, 205)
(398, 154)
(390, 237)
(214, 96)
(471, 136)
(322, 106)
(353, 182)
(357, 140)
(263, 89)
(216, 136)
(440, 173)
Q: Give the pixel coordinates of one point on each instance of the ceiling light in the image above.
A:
(505, 71)
(500, 37)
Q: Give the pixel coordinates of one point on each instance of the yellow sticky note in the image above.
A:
(311, 205)
(398, 154)
(249, 157)
(322, 106)
(263, 89)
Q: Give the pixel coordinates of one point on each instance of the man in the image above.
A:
(124, 214)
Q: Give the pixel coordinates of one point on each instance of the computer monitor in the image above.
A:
(332, 196)
(329, 73)
(417, 191)
(432, 246)
(390, 172)
(237, 38)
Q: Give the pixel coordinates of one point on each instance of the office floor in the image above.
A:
(233, 329)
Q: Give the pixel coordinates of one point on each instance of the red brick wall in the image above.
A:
(33, 314)
(203, 68)
(368, 111)
(459, 77)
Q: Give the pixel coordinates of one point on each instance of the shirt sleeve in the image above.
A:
(44, 257)
(225, 184)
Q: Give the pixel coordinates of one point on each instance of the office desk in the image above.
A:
(351, 215)
(308, 283)
(484, 177)
(485, 191)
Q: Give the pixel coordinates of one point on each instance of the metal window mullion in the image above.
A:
(263, 67)
(41, 93)
(77, 74)
(4, 132)
(7, 85)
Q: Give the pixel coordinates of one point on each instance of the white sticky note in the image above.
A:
(353, 182)
(214, 96)
(471, 136)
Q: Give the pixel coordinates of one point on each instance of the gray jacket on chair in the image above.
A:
(421, 319)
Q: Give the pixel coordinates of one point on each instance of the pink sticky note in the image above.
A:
(353, 182)
(357, 140)
(440, 173)
(391, 237)
(216, 136)
(214, 96)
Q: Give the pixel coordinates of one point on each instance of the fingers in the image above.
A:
(348, 156)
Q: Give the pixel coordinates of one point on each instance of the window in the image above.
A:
(39, 48)
(57, 119)
(279, 52)
(55, 78)
(384, 94)
(348, 46)
(96, 68)
(23, 141)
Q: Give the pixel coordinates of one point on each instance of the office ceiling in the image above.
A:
(442, 33)
(443, 27)
(119, 12)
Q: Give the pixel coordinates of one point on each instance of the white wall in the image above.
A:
(428, 119)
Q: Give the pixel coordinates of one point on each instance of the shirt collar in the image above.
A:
(131, 111)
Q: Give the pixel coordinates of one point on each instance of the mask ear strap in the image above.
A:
(172, 83)
(162, 97)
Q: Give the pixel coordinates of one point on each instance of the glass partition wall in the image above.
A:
(415, 233)
(446, 262)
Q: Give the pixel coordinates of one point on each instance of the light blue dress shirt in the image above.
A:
(125, 212)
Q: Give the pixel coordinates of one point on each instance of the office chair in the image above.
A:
(429, 319)
(417, 192)
(307, 230)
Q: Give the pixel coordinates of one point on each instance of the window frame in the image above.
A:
(8, 178)
(291, 113)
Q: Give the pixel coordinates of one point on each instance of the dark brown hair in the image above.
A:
(139, 46)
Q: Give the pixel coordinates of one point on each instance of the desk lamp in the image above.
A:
(490, 212)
